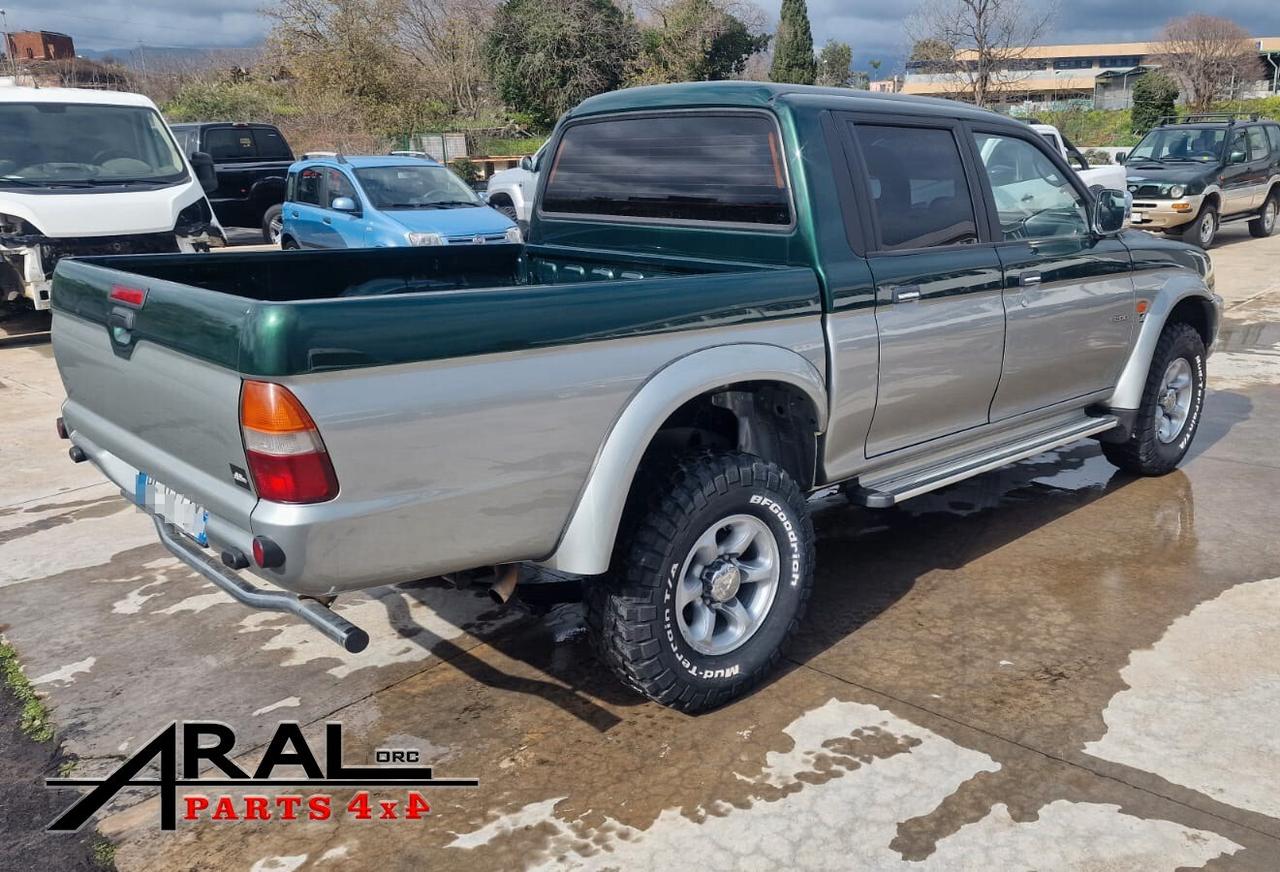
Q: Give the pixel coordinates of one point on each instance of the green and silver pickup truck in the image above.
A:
(733, 294)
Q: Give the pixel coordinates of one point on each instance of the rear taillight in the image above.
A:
(286, 455)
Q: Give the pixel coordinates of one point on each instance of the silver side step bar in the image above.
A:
(899, 486)
(339, 629)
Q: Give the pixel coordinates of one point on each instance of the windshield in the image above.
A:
(1194, 144)
(66, 144)
(415, 187)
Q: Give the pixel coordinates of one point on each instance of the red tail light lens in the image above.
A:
(287, 458)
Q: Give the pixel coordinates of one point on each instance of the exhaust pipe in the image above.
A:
(508, 576)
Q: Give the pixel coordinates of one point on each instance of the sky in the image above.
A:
(873, 32)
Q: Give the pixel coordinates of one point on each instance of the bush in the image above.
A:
(468, 170)
(1155, 97)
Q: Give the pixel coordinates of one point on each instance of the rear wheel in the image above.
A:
(1204, 229)
(287, 243)
(273, 224)
(1265, 224)
(506, 208)
(1171, 404)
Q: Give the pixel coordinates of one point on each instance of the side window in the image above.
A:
(1238, 144)
(291, 187)
(270, 144)
(1034, 199)
(338, 185)
(185, 141)
(229, 143)
(1273, 133)
(1258, 148)
(309, 186)
(919, 192)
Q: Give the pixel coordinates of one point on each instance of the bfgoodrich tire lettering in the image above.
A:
(1155, 447)
(633, 614)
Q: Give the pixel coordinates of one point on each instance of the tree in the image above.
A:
(989, 41)
(793, 59)
(1155, 96)
(1208, 57)
(695, 40)
(547, 57)
(834, 63)
(446, 40)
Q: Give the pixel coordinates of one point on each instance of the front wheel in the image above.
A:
(1204, 229)
(709, 585)
(273, 224)
(1265, 224)
(1171, 404)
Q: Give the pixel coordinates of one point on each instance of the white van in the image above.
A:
(91, 172)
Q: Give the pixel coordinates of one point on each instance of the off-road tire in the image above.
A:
(273, 213)
(1144, 453)
(1194, 232)
(631, 614)
(508, 210)
(1259, 228)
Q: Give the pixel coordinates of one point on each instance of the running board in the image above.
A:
(886, 492)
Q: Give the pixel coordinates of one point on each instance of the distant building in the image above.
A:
(40, 45)
(891, 85)
(1098, 74)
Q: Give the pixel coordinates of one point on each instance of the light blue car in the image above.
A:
(375, 202)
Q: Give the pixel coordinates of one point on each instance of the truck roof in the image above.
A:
(359, 161)
(765, 94)
(189, 124)
(22, 94)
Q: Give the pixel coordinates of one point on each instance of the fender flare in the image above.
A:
(1179, 287)
(586, 545)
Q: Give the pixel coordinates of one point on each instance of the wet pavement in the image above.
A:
(1052, 666)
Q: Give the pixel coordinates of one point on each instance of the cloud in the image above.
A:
(120, 24)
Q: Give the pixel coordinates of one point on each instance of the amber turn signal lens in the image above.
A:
(270, 408)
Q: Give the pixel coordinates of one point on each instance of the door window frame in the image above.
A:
(864, 231)
(988, 193)
(326, 202)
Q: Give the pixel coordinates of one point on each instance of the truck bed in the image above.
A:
(289, 313)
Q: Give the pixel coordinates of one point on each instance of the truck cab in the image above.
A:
(86, 172)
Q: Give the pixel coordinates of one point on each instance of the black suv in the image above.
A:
(1189, 176)
(252, 162)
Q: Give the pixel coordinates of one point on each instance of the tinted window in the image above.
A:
(229, 143)
(1194, 143)
(309, 186)
(726, 168)
(1273, 133)
(918, 188)
(270, 144)
(187, 140)
(338, 185)
(1258, 148)
(1033, 198)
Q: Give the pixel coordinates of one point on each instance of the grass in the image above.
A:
(104, 854)
(33, 717)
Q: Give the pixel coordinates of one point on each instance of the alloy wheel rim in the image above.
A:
(275, 228)
(1173, 404)
(727, 584)
(1206, 228)
(1269, 216)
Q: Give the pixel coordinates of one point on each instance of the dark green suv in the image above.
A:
(1189, 177)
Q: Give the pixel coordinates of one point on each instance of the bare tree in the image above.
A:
(990, 40)
(1209, 57)
(446, 39)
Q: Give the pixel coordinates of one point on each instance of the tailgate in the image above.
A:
(154, 388)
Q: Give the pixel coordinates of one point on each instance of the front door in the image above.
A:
(938, 311)
(1068, 294)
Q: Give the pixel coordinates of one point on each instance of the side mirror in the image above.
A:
(206, 175)
(526, 163)
(1237, 157)
(1121, 156)
(343, 204)
(1109, 208)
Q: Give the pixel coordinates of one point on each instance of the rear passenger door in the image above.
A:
(939, 313)
(1068, 295)
(1260, 163)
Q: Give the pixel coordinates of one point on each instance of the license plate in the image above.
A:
(1138, 217)
(162, 500)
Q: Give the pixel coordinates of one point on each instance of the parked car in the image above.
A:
(511, 191)
(385, 201)
(90, 172)
(646, 392)
(1110, 176)
(1188, 177)
(251, 161)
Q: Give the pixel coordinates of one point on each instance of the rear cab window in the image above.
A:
(719, 168)
(230, 143)
(270, 144)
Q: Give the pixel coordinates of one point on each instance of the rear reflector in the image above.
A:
(286, 456)
(134, 297)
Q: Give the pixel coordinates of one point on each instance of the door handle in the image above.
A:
(327, 220)
(905, 293)
(293, 214)
(1028, 279)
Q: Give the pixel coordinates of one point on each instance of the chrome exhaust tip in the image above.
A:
(508, 576)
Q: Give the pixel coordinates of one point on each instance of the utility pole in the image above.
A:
(8, 45)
